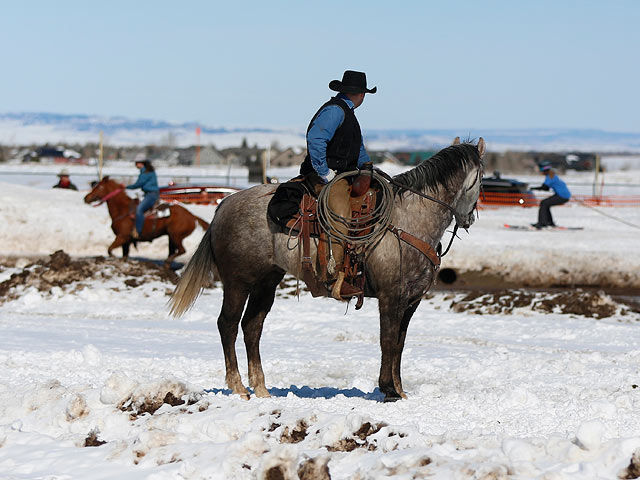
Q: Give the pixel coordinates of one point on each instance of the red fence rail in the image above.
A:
(489, 199)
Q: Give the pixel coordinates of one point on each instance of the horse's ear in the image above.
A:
(105, 178)
(481, 147)
(456, 141)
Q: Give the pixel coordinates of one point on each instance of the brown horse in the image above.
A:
(178, 225)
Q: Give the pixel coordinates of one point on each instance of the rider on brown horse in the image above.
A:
(148, 182)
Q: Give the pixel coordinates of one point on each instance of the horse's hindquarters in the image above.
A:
(241, 241)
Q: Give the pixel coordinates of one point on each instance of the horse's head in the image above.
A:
(466, 200)
(100, 190)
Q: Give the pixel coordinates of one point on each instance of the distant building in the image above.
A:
(288, 157)
(209, 155)
(378, 157)
(48, 154)
(245, 156)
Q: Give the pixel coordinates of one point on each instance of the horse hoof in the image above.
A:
(391, 398)
(262, 393)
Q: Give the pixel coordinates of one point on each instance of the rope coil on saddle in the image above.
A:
(376, 221)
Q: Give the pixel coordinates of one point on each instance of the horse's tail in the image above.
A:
(197, 274)
(203, 224)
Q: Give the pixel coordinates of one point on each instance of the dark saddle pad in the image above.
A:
(296, 196)
(286, 205)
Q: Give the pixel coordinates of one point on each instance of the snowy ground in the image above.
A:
(526, 393)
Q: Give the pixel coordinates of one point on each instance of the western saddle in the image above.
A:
(306, 227)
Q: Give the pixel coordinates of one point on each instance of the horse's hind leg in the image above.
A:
(260, 302)
(232, 305)
(175, 249)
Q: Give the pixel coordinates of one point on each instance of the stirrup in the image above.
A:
(342, 290)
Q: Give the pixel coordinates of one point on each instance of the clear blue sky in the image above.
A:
(437, 64)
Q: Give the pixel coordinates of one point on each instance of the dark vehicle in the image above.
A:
(506, 192)
(196, 193)
(561, 162)
(581, 161)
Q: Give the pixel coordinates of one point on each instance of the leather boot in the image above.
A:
(342, 290)
(134, 234)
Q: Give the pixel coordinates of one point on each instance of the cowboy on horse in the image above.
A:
(177, 225)
(334, 146)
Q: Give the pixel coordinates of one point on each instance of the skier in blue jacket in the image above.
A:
(561, 195)
(148, 182)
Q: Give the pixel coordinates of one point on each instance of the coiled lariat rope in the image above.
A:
(376, 221)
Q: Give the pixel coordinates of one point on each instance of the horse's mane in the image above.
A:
(439, 170)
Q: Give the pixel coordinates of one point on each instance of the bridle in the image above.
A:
(391, 180)
(454, 234)
(109, 196)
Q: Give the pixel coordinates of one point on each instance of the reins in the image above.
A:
(390, 179)
(109, 196)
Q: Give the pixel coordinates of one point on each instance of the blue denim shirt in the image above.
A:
(322, 131)
(558, 186)
(147, 181)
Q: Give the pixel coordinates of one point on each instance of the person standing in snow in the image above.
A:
(561, 195)
(148, 182)
(335, 145)
(64, 181)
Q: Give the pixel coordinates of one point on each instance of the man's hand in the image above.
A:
(328, 177)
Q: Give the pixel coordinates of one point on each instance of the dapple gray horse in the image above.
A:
(251, 259)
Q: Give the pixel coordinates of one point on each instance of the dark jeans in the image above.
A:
(544, 214)
(147, 202)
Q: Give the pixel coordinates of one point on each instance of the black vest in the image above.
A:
(343, 150)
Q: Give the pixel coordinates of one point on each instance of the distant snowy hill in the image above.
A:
(28, 128)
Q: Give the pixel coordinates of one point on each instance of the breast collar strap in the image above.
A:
(420, 245)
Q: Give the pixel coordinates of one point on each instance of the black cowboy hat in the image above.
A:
(352, 82)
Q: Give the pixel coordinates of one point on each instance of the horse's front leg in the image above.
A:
(228, 321)
(260, 301)
(119, 241)
(394, 321)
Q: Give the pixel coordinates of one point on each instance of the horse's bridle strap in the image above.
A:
(109, 196)
(420, 245)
